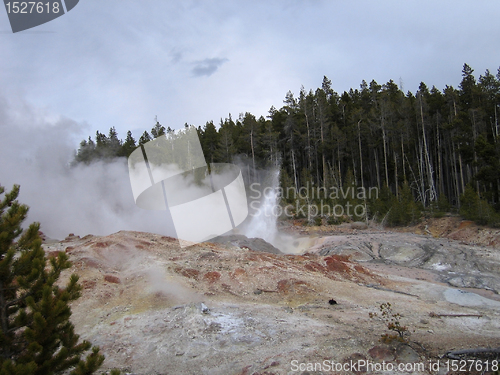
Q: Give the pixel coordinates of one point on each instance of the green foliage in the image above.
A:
(392, 320)
(158, 130)
(145, 138)
(349, 198)
(472, 207)
(404, 210)
(380, 205)
(288, 188)
(129, 145)
(317, 221)
(438, 208)
(336, 220)
(36, 335)
(372, 136)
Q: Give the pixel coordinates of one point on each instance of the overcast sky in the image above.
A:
(122, 62)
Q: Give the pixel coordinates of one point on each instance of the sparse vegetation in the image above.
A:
(393, 323)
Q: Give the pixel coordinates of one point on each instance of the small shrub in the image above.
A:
(318, 220)
(404, 210)
(337, 220)
(382, 204)
(472, 207)
(392, 321)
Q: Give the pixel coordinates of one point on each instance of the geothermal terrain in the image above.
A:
(240, 306)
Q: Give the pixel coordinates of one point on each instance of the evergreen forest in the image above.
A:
(427, 152)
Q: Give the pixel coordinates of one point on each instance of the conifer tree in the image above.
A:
(145, 138)
(128, 146)
(158, 130)
(36, 335)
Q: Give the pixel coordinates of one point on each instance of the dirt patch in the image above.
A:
(216, 309)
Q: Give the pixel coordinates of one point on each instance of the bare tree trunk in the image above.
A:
(496, 124)
(440, 161)
(253, 153)
(308, 138)
(294, 171)
(360, 155)
(385, 154)
(455, 173)
(461, 171)
(421, 173)
(403, 158)
(430, 172)
(396, 173)
(376, 167)
(338, 161)
(323, 159)
(474, 135)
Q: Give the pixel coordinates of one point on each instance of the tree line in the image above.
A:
(441, 148)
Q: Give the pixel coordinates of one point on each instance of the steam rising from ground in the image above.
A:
(160, 283)
(263, 221)
(35, 152)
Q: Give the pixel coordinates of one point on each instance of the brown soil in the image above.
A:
(155, 308)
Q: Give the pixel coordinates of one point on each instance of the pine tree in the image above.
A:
(158, 130)
(129, 145)
(114, 143)
(145, 138)
(404, 210)
(36, 335)
(86, 152)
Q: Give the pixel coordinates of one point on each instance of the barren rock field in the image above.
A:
(240, 307)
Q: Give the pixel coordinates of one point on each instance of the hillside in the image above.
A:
(154, 308)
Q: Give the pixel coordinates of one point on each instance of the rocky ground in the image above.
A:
(229, 308)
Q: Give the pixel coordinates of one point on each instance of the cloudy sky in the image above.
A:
(122, 62)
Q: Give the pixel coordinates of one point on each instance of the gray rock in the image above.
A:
(405, 354)
(256, 244)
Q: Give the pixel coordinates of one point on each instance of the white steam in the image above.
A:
(35, 151)
(169, 286)
(263, 223)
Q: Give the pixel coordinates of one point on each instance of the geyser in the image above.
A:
(264, 220)
(263, 223)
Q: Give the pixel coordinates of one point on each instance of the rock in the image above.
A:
(356, 357)
(359, 225)
(204, 308)
(381, 354)
(256, 244)
(112, 279)
(211, 276)
(405, 354)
